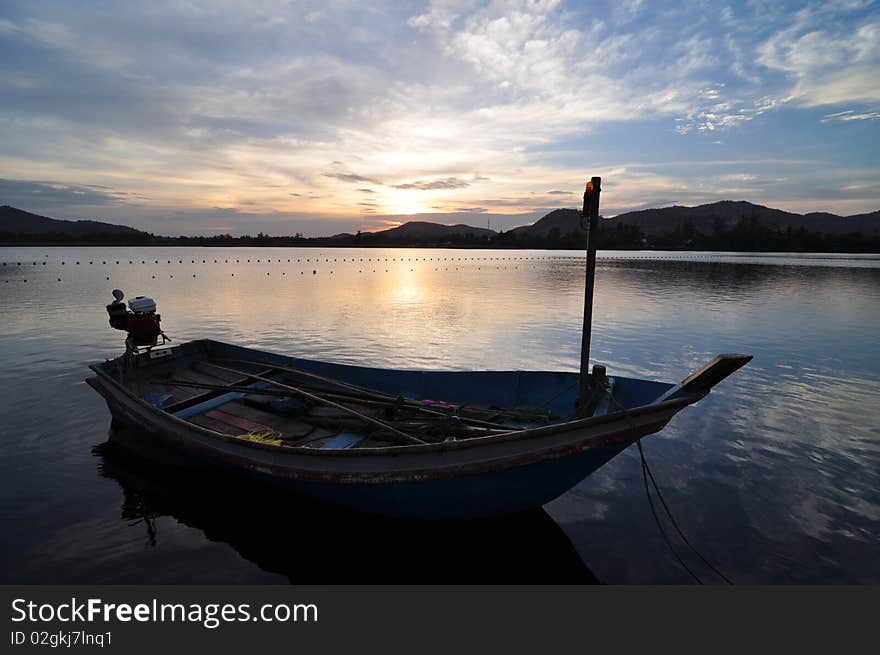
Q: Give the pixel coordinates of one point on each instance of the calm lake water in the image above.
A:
(775, 477)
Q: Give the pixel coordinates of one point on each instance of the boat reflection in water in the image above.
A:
(310, 542)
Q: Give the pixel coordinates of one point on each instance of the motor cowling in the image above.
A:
(143, 325)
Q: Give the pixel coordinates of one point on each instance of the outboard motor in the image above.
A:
(139, 319)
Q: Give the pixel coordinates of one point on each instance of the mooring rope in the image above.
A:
(646, 474)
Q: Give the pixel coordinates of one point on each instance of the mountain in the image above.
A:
(704, 217)
(565, 221)
(18, 221)
(424, 231)
(656, 227)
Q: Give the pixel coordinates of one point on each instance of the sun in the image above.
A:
(406, 203)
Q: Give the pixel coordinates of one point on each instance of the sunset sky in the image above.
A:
(323, 117)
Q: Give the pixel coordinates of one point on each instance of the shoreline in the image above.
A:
(425, 247)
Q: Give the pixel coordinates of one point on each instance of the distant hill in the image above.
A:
(425, 231)
(704, 218)
(19, 222)
(725, 225)
(565, 221)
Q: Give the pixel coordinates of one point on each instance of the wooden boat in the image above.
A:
(427, 444)
(536, 451)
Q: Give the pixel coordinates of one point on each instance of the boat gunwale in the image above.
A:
(425, 471)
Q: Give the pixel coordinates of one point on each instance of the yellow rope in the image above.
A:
(265, 435)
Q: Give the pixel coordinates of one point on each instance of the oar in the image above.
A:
(379, 395)
(407, 437)
(464, 428)
(322, 378)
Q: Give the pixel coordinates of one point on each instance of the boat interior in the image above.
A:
(268, 398)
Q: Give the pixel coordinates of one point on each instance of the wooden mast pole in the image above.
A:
(591, 213)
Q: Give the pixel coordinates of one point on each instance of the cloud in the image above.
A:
(28, 193)
(470, 104)
(710, 114)
(829, 60)
(851, 115)
(428, 185)
(351, 177)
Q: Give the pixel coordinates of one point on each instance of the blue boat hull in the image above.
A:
(487, 494)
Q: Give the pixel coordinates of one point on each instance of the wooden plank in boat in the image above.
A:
(315, 436)
(210, 375)
(202, 402)
(289, 426)
(334, 412)
(343, 440)
(215, 425)
(206, 405)
(246, 425)
(177, 396)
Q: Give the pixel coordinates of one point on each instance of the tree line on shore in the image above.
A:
(749, 234)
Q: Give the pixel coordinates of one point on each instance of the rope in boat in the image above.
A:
(264, 436)
(646, 474)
